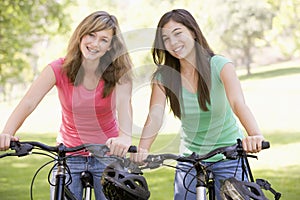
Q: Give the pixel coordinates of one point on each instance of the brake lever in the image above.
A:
(98, 150)
(133, 167)
(21, 149)
(153, 161)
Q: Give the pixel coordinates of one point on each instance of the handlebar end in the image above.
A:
(265, 145)
(132, 149)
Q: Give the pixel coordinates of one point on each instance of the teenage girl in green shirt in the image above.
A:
(204, 93)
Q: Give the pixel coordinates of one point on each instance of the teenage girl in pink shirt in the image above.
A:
(94, 87)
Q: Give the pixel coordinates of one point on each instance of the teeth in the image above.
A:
(178, 49)
(92, 50)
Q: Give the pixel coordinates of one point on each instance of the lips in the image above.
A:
(92, 50)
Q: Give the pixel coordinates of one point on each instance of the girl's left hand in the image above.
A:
(118, 145)
(253, 144)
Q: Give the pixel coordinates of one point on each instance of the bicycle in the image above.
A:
(204, 177)
(59, 155)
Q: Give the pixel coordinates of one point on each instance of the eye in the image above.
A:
(105, 40)
(92, 34)
(177, 33)
(165, 39)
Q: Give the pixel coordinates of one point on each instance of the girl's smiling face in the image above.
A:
(178, 39)
(94, 45)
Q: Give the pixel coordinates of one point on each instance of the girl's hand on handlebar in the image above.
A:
(118, 145)
(253, 144)
(140, 156)
(5, 141)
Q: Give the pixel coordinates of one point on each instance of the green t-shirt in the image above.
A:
(203, 131)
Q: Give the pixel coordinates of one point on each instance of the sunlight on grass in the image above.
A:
(160, 183)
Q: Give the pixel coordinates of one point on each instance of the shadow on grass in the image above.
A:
(271, 73)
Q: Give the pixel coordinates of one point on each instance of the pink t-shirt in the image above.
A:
(86, 116)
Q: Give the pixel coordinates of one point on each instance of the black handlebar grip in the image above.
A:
(13, 144)
(132, 149)
(265, 145)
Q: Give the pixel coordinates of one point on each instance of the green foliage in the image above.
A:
(240, 29)
(242, 24)
(286, 32)
(24, 23)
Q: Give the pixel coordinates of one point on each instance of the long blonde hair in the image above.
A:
(114, 64)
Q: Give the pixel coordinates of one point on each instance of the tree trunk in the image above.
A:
(248, 59)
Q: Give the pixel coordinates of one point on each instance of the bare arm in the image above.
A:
(39, 88)
(234, 93)
(119, 146)
(153, 122)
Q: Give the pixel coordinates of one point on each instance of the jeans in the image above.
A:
(78, 164)
(221, 171)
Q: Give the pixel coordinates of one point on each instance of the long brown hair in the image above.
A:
(115, 65)
(169, 66)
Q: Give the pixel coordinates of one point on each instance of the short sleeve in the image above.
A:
(217, 63)
(57, 69)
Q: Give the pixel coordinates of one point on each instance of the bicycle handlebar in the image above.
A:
(24, 148)
(230, 152)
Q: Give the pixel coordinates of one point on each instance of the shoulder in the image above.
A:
(56, 65)
(219, 60)
(217, 63)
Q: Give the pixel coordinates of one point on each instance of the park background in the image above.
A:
(262, 37)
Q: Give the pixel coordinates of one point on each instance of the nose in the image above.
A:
(97, 43)
(173, 40)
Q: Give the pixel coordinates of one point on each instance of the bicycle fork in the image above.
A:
(205, 181)
(87, 181)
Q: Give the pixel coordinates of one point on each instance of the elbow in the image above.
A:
(156, 116)
(28, 106)
(154, 121)
(239, 107)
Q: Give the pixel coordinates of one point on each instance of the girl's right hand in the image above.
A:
(5, 141)
(140, 156)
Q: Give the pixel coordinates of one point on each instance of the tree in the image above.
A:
(286, 32)
(22, 24)
(242, 24)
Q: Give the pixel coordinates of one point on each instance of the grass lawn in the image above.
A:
(272, 94)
